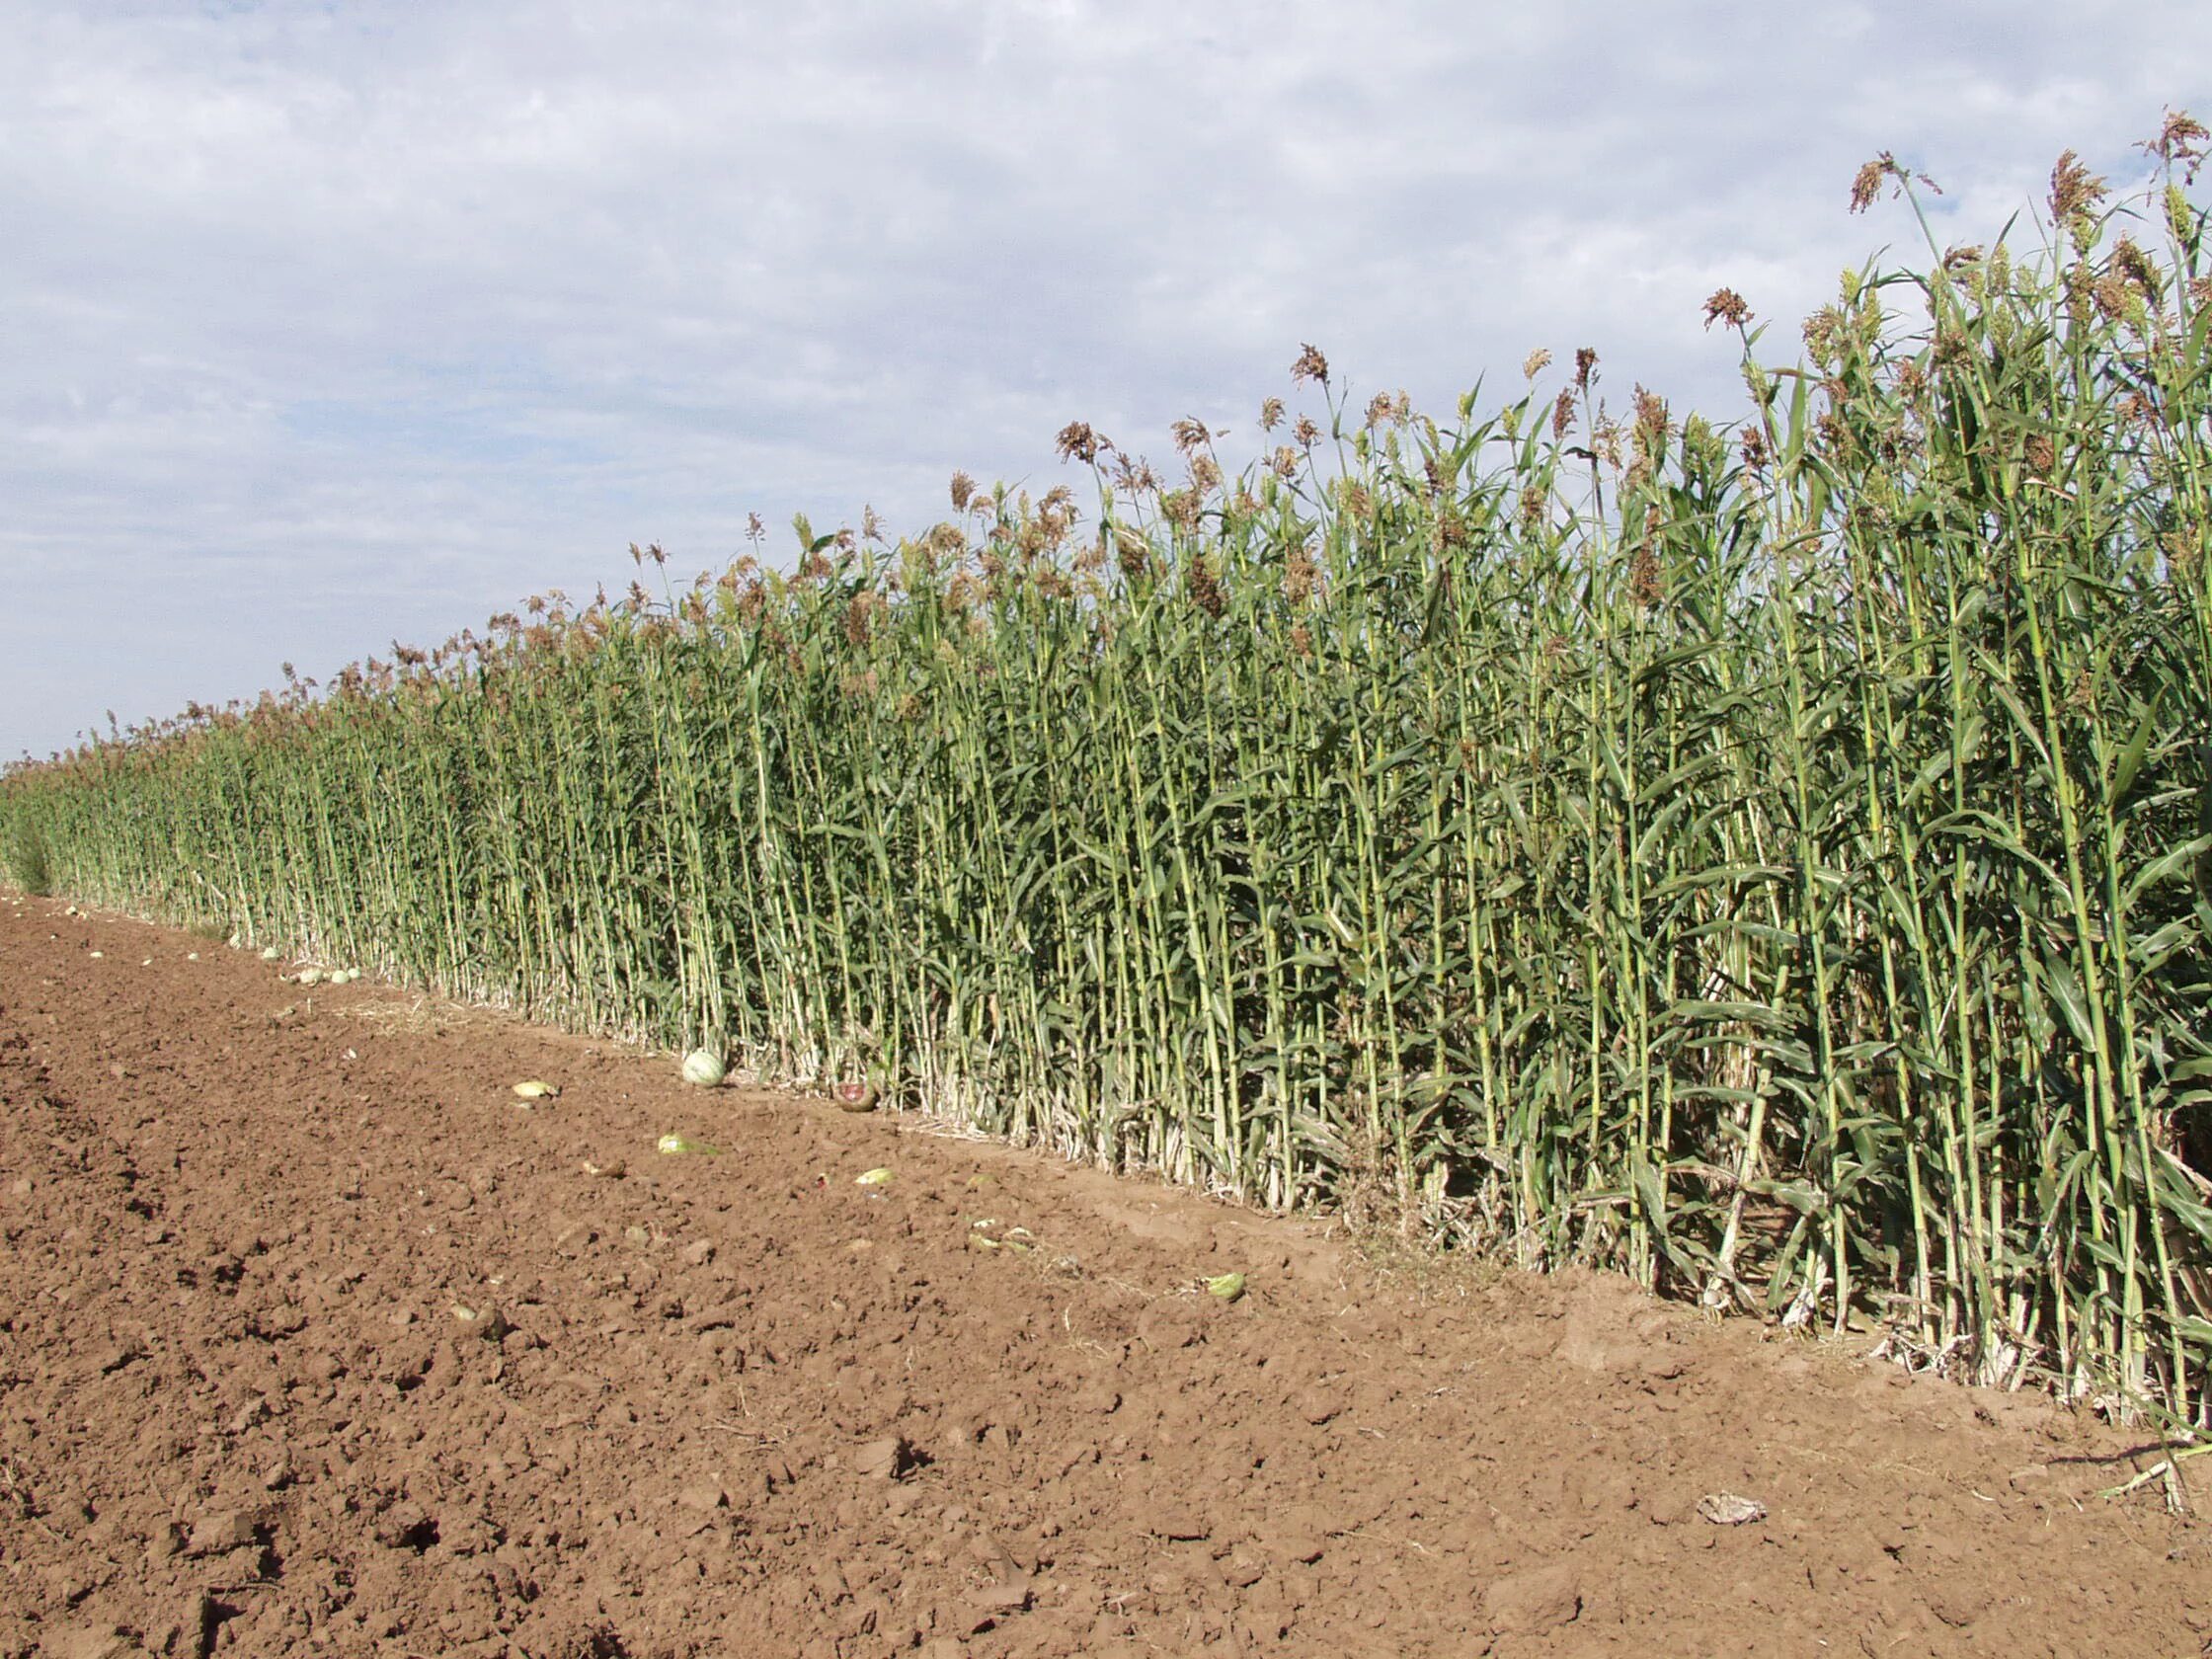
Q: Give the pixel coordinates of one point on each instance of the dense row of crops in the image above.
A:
(1772, 859)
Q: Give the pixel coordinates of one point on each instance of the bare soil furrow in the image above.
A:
(314, 1339)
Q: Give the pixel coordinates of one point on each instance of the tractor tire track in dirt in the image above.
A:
(314, 1340)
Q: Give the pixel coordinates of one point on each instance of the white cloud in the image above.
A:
(330, 324)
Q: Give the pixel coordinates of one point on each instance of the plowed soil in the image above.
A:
(314, 1339)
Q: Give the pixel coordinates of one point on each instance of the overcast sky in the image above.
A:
(327, 324)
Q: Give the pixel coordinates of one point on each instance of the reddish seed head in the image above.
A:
(1076, 442)
(2180, 139)
(1726, 305)
(2075, 190)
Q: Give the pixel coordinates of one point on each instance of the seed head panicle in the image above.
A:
(2180, 139)
(1536, 363)
(1204, 588)
(1311, 366)
(1271, 414)
(2132, 263)
(962, 491)
(2075, 192)
(1078, 442)
(1867, 185)
(1130, 551)
(1536, 507)
(2116, 300)
(1585, 360)
(1646, 584)
(1726, 305)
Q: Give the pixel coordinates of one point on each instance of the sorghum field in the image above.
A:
(1765, 855)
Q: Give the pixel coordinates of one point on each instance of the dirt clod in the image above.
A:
(220, 1531)
(1540, 1599)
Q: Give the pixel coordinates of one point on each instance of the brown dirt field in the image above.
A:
(741, 1405)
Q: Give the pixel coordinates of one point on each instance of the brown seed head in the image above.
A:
(1645, 586)
(1271, 414)
(1868, 183)
(1203, 588)
(1562, 414)
(1283, 462)
(2075, 190)
(1753, 445)
(2041, 455)
(1191, 436)
(1726, 305)
(1311, 366)
(1605, 438)
(1306, 431)
(964, 489)
(2180, 139)
(1585, 360)
(1132, 550)
(1076, 442)
(857, 614)
(1379, 410)
(1449, 531)
(2114, 298)
(1823, 331)
(1536, 363)
(2135, 264)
